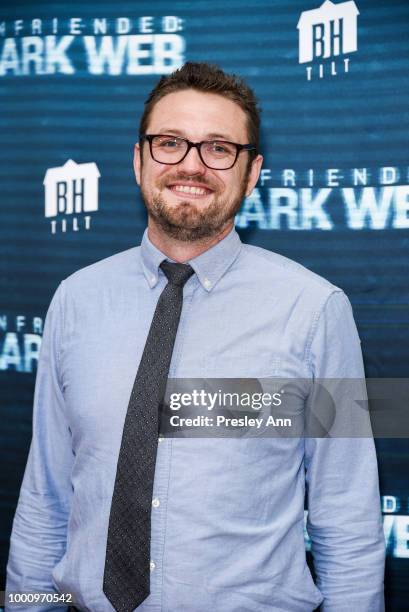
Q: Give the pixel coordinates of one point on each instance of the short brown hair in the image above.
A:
(207, 78)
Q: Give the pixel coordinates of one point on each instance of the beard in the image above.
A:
(187, 221)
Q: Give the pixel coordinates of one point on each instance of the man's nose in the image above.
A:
(192, 164)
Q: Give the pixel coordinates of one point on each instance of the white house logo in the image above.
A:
(327, 32)
(71, 192)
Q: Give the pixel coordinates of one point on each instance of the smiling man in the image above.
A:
(125, 519)
(194, 197)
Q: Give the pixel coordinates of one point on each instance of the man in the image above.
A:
(125, 520)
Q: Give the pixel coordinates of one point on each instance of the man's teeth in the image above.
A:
(188, 189)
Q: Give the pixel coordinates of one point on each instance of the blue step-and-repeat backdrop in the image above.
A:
(333, 82)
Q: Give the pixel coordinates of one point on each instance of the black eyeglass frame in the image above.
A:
(239, 148)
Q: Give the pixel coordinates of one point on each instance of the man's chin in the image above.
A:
(183, 229)
(187, 218)
(183, 221)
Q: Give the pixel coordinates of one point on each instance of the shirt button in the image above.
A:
(207, 283)
(153, 279)
(155, 502)
(152, 566)
(161, 437)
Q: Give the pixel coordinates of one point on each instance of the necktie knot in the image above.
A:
(177, 273)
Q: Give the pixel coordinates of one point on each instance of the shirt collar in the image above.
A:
(209, 266)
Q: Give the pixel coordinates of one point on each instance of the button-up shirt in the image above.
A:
(227, 515)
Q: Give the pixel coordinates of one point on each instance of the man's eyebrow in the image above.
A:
(211, 136)
(220, 137)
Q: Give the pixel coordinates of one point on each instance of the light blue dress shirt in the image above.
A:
(227, 514)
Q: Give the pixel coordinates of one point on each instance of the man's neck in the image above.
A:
(183, 251)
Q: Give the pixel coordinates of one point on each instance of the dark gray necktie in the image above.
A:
(126, 575)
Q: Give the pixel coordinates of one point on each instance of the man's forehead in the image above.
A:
(207, 115)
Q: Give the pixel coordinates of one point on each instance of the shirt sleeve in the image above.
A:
(344, 516)
(38, 538)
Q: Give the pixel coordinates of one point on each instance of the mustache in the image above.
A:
(197, 179)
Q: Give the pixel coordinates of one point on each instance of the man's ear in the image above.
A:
(137, 163)
(254, 174)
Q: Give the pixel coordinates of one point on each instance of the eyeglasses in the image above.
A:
(215, 154)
